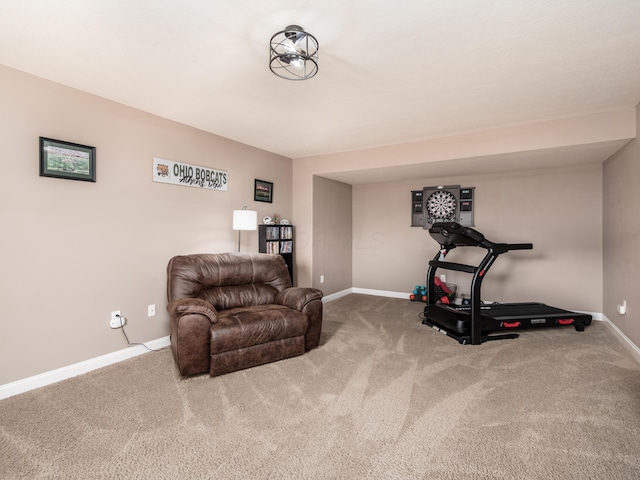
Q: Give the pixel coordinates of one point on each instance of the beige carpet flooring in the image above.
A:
(383, 397)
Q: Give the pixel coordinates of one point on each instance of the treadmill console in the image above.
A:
(452, 233)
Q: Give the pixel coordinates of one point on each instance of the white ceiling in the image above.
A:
(390, 71)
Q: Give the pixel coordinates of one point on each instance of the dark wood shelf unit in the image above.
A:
(277, 240)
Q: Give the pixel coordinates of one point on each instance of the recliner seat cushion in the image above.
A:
(248, 326)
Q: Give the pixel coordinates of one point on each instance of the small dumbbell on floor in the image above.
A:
(419, 294)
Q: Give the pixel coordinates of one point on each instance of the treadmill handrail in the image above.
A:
(500, 248)
(460, 267)
(520, 246)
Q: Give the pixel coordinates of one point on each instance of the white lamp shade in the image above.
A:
(245, 220)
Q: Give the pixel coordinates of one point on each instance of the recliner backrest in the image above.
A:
(227, 280)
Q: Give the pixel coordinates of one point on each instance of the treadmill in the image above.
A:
(477, 323)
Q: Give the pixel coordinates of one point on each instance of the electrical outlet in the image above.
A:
(443, 278)
(622, 309)
(151, 310)
(321, 278)
(117, 321)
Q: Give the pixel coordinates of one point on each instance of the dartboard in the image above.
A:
(441, 204)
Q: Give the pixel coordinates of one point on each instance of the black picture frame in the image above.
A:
(71, 161)
(263, 191)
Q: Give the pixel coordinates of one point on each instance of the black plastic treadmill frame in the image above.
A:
(451, 235)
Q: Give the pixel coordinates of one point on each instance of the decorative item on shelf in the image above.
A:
(284, 221)
(293, 54)
(276, 218)
(267, 220)
(244, 220)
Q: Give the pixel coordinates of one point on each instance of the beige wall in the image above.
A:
(558, 210)
(332, 227)
(469, 152)
(74, 251)
(622, 237)
(303, 213)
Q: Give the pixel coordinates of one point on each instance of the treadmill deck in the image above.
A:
(502, 316)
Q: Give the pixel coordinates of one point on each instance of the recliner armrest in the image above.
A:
(308, 301)
(298, 297)
(186, 306)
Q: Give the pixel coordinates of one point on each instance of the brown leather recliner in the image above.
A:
(231, 311)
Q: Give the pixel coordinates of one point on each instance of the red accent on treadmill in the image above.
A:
(510, 324)
(566, 321)
(481, 273)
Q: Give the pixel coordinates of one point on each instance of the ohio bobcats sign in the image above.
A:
(176, 173)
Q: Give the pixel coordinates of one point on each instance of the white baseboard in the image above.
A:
(337, 295)
(53, 376)
(635, 350)
(381, 293)
(364, 291)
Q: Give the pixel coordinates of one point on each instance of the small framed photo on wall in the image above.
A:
(67, 160)
(263, 191)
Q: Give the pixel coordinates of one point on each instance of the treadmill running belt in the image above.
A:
(501, 316)
(504, 311)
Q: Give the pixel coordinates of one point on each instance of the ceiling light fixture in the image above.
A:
(293, 54)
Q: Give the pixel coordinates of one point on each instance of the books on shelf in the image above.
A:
(286, 233)
(279, 247)
(273, 233)
(273, 247)
(286, 247)
(277, 240)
